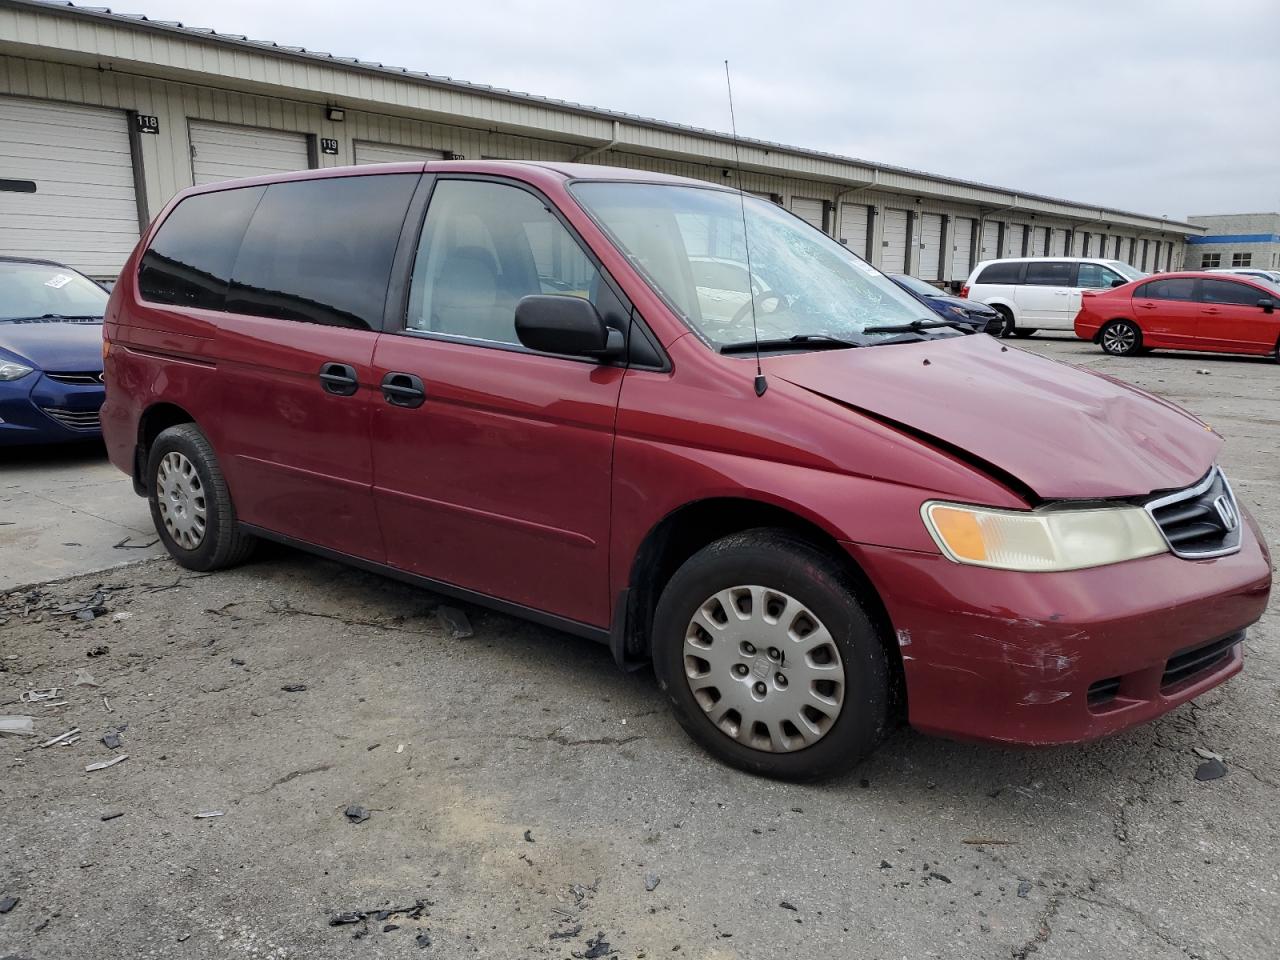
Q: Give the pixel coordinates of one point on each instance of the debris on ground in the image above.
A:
(106, 763)
(101, 650)
(1024, 888)
(935, 875)
(113, 815)
(61, 737)
(356, 813)
(1211, 770)
(207, 814)
(294, 687)
(237, 662)
(1204, 754)
(1203, 371)
(39, 696)
(566, 934)
(85, 679)
(886, 865)
(423, 940)
(126, 545)
(455, 622)
(528, 837)
(379, 914)
(597, 946)
(121, 616)
(651, 882)
(788, 905)
(17, 726)
(111, 741)
(8, 903)
(987, 842)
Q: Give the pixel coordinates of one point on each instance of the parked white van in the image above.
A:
(1042, 293)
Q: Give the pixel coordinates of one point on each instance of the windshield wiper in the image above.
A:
(812, 341)
(55, 316)
(917, 325)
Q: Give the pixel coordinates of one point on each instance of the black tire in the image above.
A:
(1120, 338)
(1023, 332)
(224, 543)
(1008, 329)
(783, 562)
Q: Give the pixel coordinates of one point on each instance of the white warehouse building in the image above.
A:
(104, 116)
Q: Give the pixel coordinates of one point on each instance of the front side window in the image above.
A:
(320, 251)
(1050, 273)
(32, 291)
(1242, 259)
(1175, 288)
(1095, 275)
(689, 242)
(189, 262)
(484, 246)
(1230, 292)
(1125, 270)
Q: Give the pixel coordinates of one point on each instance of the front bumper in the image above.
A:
(1054, 658)
(38, 409)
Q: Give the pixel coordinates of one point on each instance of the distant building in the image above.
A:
(1235, 240)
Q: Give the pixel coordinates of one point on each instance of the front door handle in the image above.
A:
(403, 390)
(339, 379)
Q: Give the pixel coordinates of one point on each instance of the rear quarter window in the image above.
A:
(320, 251)
(1175, 288)
(1002, 273)
(190, 259)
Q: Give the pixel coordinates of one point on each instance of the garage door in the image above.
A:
(853, 227)
(930, 265)
(1013, 239)
(809, 211)
(961, 247)
(366, 152)
(222, 152)
(66, 185)
(990, 241)
(1039, 243)
(1058, 246)
(894, 244)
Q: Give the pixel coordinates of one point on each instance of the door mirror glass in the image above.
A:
(1118, 282)
(1267, 304)
(566, 325)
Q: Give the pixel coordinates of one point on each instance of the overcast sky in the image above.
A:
(1158, 106)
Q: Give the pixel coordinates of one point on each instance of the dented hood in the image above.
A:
(1063, 431)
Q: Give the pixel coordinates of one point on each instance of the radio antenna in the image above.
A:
(761, 383)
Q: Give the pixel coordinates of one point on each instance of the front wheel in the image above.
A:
(190, 503)
(770, 659)
(1121, 338)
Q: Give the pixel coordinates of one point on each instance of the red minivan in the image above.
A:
(682, 422)
(1223, 313)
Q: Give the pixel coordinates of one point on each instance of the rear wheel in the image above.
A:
(190, 503)
(770, 659)
(1121, 338)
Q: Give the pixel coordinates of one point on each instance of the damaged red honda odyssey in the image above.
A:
(682, 422)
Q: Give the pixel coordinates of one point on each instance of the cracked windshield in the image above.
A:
(689, 244)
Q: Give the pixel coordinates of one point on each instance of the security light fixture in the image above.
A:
(336, 114)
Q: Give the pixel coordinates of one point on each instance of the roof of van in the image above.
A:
(567, 171)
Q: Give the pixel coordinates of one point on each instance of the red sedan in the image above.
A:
(1184, 311)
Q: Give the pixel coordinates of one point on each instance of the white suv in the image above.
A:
(1042, 293)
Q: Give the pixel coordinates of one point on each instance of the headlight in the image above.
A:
(12, 371)
(1042, 540)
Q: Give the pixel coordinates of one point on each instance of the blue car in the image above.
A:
(50, 353)
(985, 319)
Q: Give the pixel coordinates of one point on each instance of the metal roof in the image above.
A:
(141, 21)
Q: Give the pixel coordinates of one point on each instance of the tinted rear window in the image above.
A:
(1051, 273)
(1175, 288)
(189, 262)
(320, 251)
(1002, 273)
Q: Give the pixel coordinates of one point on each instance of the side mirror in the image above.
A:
(1118, 283)
(1267, 304)
(566, 325)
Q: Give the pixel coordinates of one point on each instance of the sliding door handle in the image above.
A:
(403, 390)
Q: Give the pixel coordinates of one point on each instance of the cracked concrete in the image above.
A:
(460, 746)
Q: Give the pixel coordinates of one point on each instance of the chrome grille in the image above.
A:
(87, 378)
(1201, 521)
(75, 419)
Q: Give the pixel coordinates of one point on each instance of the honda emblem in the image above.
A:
(1226, 512)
